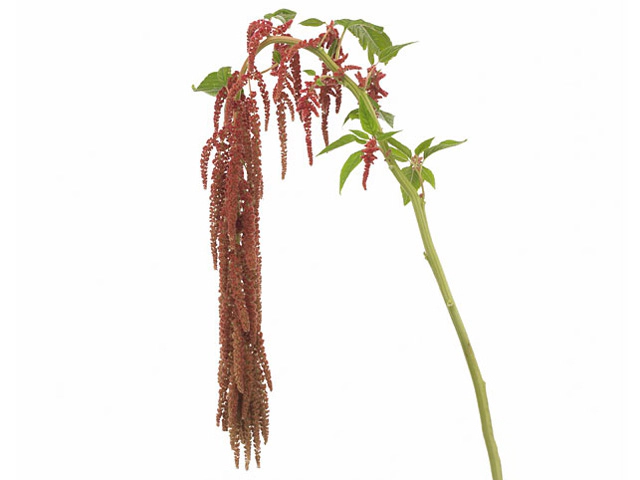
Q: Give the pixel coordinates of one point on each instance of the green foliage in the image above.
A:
(344, 140)
(406, 151)
(441, 146)
(367, 120)
(312, 22)
(427, 176)
(413, 177)
(387, 117)
(352, 162)
(416, 178)
(355, 115)
(388, 53)
(284, 15)
(352, 115)
(423, 146)
(360, 134)
(371, 37)
(214, 82)
(381, 137)
(397, 155)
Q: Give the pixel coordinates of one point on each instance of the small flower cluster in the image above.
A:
(371, 83)
(368, 156)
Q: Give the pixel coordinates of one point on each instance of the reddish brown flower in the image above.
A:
(371, 83)
(368, 157)
(236, 190)
(308, 104)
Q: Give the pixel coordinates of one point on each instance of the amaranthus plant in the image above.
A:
(236, 187)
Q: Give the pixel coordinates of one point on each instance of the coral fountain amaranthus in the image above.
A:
(236, 190)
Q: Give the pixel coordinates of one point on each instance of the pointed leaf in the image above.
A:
(381, 137)
(367, 120)
(310, 72)
(400, 146)
(360, 134)
(214, 82)
(352, 115)
(371, 37)
(424, 145)
(414, 178)
(390, 52)
(427, 176)
(344, 140)
(387, 117)
(284, 15)
(312, 22)
(398, 155)
(352, 162)
(440, 146)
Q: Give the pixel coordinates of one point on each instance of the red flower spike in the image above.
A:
(281, 29)
(371, 83)
(368, 157)
(308, 104)
(236, 190)
(257, 31)
(265, 97)
(282, 134)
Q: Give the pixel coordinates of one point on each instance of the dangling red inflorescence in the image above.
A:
(368, 157)
(236, 188)
(308, 104)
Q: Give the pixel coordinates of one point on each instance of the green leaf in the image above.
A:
(441, 145)
(284, 15)
(276, 57)
(344, 140)
(413, 178)
(398, 155)
(424, 145)
(312, 22)
(214, 82)
(352, 115)
(427, 176)
(371, 37)
(381, 137)
(387, 117)
(406, 151)
(388, 53)
(310, 72)
(360, 134)
(352, 162)
(367, 120)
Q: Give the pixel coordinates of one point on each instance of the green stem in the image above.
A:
(429, 252)
(478, 383)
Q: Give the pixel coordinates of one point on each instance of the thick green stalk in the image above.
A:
(478, 383)
(429, 252)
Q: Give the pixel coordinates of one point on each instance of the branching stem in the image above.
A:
(430, 253)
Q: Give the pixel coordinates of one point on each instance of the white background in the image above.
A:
(116, 330)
